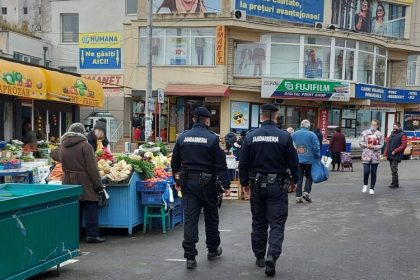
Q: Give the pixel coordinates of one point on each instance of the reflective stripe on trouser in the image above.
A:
(269, 207)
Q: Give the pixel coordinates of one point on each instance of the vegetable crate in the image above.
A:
(177, 213)
(151, 192)
(11, 165)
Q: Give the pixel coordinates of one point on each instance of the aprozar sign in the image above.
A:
(305, 89)
(303, 11)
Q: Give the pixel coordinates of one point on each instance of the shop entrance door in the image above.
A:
(389, 123)
(309, 114)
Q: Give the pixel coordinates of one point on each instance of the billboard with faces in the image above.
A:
(370, 16)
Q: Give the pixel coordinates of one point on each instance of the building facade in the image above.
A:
(334, 62)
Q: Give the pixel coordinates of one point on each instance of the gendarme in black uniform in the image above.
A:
(266, 154)
(198, 156)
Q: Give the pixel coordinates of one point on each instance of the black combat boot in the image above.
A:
(211, 256)
(270, 266)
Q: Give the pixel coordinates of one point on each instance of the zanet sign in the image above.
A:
(305, 89)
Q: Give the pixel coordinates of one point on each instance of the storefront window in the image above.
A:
(349, 65)
(250, 60)
(317, 57)
(180, 46)
(365, 68)
(364, 117)
(288, 59)
(285, 61)
(317, 62)
(380, 71)
(411, 70)
(339, 64)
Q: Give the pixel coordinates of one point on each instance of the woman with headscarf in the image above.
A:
(80, 168)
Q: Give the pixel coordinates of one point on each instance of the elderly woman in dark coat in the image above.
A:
(337, 145)
(80, 168)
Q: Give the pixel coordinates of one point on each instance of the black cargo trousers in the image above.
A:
(194, 198)
(269, 207)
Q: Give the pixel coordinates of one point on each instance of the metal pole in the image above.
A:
(149, 68)
(160, 117)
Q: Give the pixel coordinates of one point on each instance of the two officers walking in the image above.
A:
(199, 164)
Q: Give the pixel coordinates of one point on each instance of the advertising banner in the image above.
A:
(303, 11)
(239, 115)
(100, 50)
(305, 89)
(369, 16)
(387, 94)
(186, 6)
(220, 44)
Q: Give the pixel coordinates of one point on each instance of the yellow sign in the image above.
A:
(73, 89)
(101, 40)
(220, 44)
(407, 2)
(22, 81)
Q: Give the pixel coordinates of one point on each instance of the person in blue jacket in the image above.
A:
(308, 150)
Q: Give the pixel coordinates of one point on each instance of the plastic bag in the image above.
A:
(319, 172)
(326, 161)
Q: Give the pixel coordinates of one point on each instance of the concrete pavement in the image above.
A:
(343, 234)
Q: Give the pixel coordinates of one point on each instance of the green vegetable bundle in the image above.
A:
(146, 168)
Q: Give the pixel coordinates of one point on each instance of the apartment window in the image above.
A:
(131, 7)
(411, 70)
(39, 10)
(4, 11)
(25, 10)
(26, 58)
(69, 28)
(71, 69)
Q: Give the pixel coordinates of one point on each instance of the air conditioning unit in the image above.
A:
(332, 27)
(239, 15)
(319, 25)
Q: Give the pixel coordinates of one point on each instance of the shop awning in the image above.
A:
(22, 81)
(197, 90)
(72, 89)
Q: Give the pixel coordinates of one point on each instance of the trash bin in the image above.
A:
(39, 228)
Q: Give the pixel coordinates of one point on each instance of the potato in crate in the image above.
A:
(346, 161)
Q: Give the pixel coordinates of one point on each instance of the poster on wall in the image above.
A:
(185, 6)
(303, 11)
(377, 17)
(313, 63)
(179, 51)
(239, 115)
(305, 89)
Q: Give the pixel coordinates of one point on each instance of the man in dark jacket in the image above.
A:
(337, 145)
(394, 152)
(80, 168)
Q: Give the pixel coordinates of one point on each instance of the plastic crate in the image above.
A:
(177, 219)
(171, 180)
(3, 144)
(177, 202)
(9, 165)
(151, 193)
